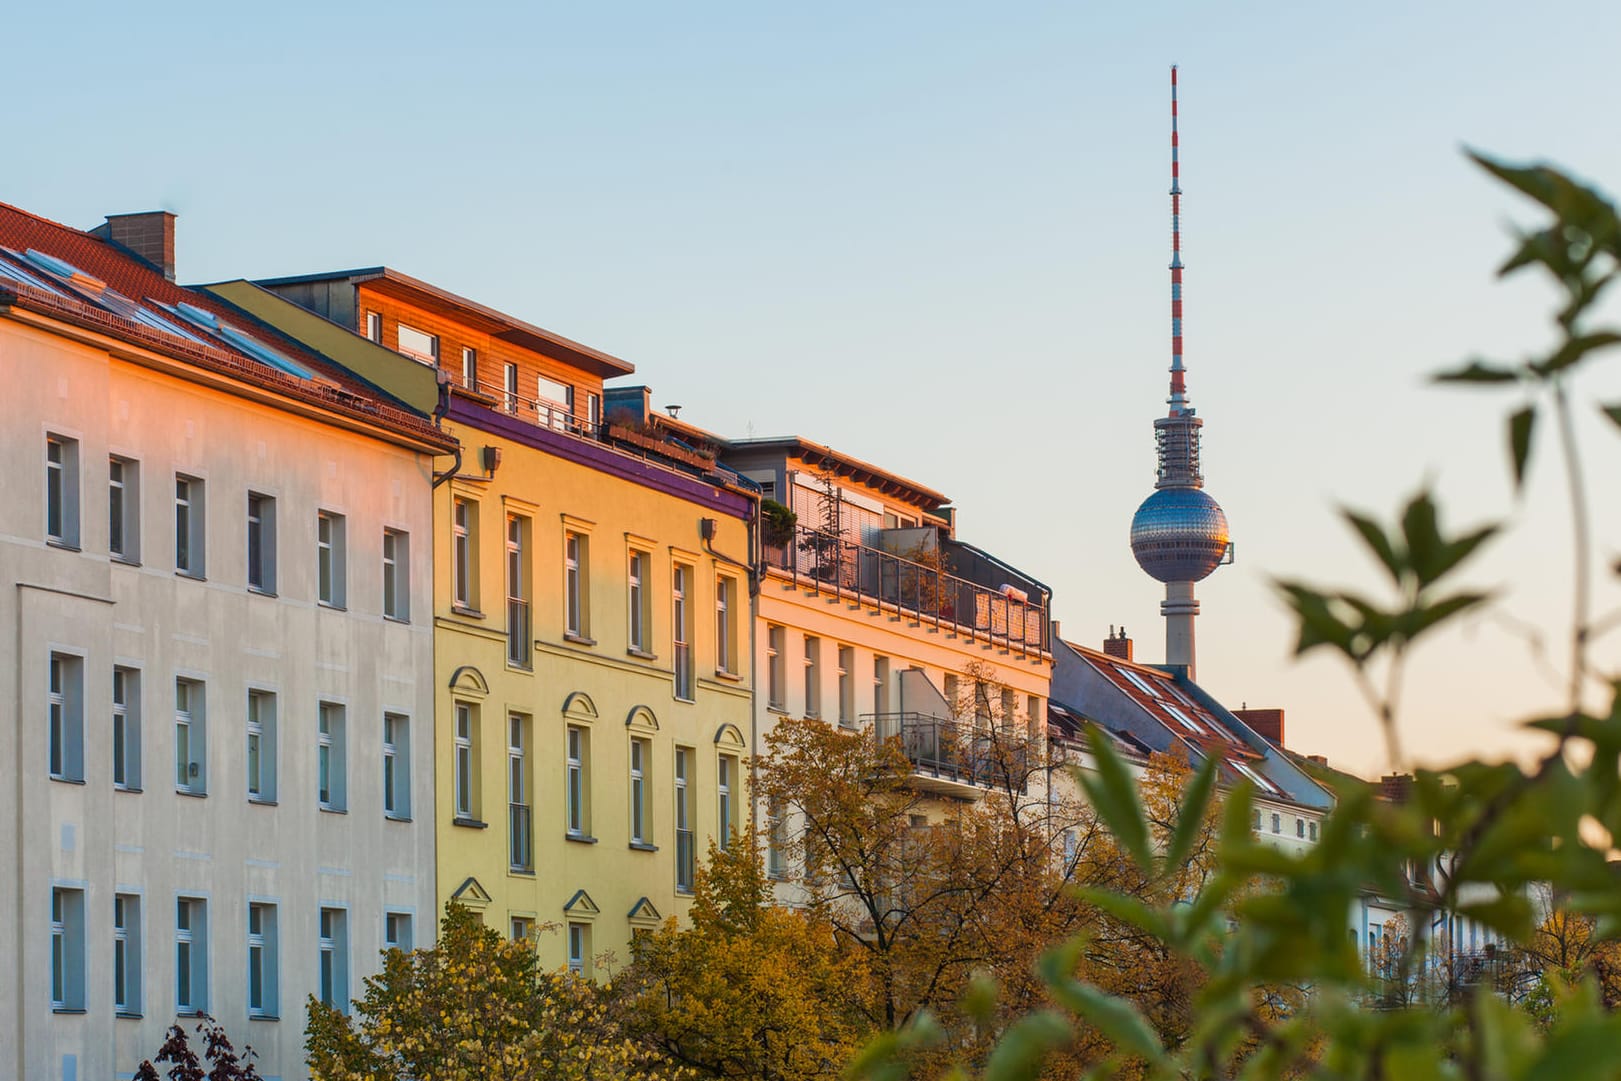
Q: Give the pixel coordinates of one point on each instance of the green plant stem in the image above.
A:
(1581, 619)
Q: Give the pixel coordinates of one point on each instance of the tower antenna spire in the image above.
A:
(1179, 392)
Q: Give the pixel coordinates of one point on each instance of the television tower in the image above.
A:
(1179, 534)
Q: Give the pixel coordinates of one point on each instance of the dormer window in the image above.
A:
(419, 345)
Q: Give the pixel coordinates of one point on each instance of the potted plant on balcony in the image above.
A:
(777, 524)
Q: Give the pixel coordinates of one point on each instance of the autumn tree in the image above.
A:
(475, 1007)
(749, 989)
(223, 1061)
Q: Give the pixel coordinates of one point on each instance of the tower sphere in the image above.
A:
(1179, 535)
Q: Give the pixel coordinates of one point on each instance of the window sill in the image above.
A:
(641, 654)
(772, 707)
(683, 891)
(59, 779)
(257, 801)
(396, 818)
(678, 698)
(135, 788)
(69, 1009)
(463, 610)
(327, 809)
(125, 562)
(195, 578)
(258, 592)
(128, 1015)
(331, 606)
(728, 676)
(264, 1017)
(578, 639)
(641, 846)
(521, 872)
(190, 794)
(470, 823)
(396, 619)
(191, 1011)
(66, 547)
(526, 669)
(580, 838)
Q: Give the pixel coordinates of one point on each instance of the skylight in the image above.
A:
(1141, 683)
(1187, 721)
(1260, 782)
(263, 353)
(17, 273)
(63, 269)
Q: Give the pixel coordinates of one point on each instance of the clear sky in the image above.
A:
(935, 236)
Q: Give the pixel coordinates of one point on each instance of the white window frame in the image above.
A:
(509, 387)
(464, 780)
(520, 804)
(686, 860)
(190, 526)
(681, 577)
(260, 747)
(61, 490)
(847, 685)
(427, 353)
(776, 676)
(639, 615)
(191, 956)
(813, 676)
(68, 992)
(576, 553)
(123, 509)
(331, 758)
(520, 636)
(374, 327)
(464, 587)
(332, 974)
(191, 737)
(264, 943)
(725, 628)
(397, 575)
(397, 766)
(261, 534)
(641, 831)
(397, 931)
(726, 810)
(579, 948)
(331, 577)
(577, 795)
(65, 707)
(469, 367)
(127, 954)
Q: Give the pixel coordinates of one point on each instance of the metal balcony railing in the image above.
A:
(827, 562)
(686, 860)
(973, 753)
(518, 826)
(519, 640)
(538, 411)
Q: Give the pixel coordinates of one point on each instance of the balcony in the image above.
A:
(957, 758)
(686, 860)
(518, 828)
(519, 640)
(537, 411)
(828, 563)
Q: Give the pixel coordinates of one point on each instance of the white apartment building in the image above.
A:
(217, 654)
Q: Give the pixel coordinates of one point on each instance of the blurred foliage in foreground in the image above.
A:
(1527, 851)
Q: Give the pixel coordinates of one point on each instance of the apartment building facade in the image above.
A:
(591, 605)
(219, 552)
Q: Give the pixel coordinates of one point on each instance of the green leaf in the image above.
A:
(1114, 796)
(1191, 815)
(1478, 371)
(1521, 423)
(1373, 535)
(1581, 1052)
(1116, 1018)
(1128, 909)
(1019, 1053)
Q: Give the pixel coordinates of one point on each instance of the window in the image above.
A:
(510, 385)
(419, 344)
(62, 490)
(1255, 821)
(127, 954)
(466, 725)
(261, 747)
(578, 792)
(191, 955)
(641, 830)
(593, 411)
(374, 326)
(261, 543)
(1300, 827)
(470, 368)
(847, 687)
(681, 630)
(124, 509)
(1277, 823)
(554, 402)
(334, 947)
(396, 575)
(880, 684)
(576, 572)
(776, 841)
(813, 676)
(725, 625)
(775, 677)
(330, 747)
(726, 777)
(579, 947)
(521, 846)
(67, 949)
(519, 640)
(463, 552)
(1312, 830)
(66, 707)
(397, 931)
(639, 615)
(523, 928)
(396, 766)
(329, 559)
(190, 738)
(262, 956)
(188, 526)
(685, 851)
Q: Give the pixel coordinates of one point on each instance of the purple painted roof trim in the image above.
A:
(597, 456)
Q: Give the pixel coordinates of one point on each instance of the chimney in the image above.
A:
(1117, 645)
(1267, 722)
(148, 236)
(1395, 787)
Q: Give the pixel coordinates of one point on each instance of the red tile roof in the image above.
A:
(333, 388)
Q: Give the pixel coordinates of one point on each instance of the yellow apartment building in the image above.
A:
(591, 626)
